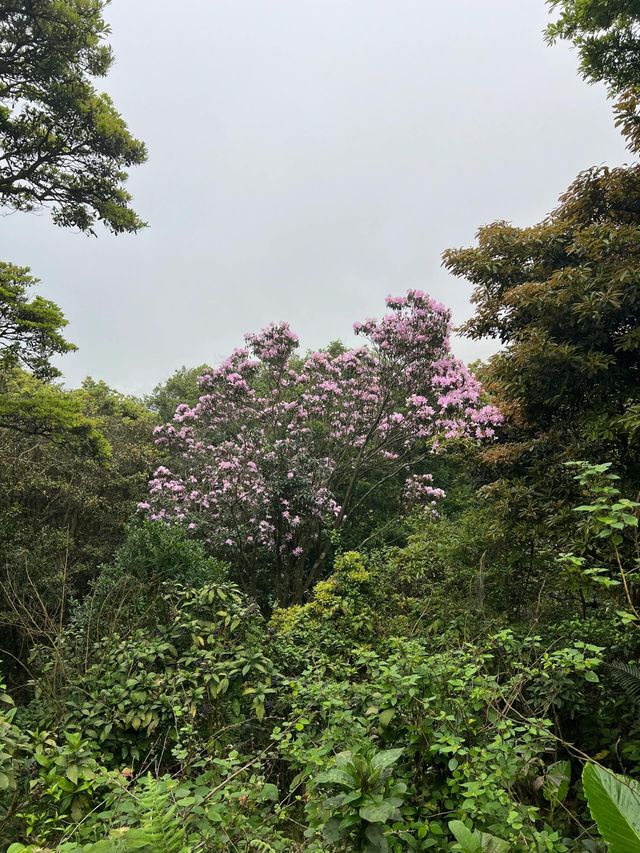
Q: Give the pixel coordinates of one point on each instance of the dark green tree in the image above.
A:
(563, 297)
(65, 498)
(63, 145)
(30, 328)
(30, 334)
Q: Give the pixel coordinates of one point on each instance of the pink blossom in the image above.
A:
(265, 457)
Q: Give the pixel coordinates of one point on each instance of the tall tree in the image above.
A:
(62, 143)
(563, 298)
(279, 456)
(30, 334)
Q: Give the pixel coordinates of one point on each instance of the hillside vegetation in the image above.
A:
(360, 599)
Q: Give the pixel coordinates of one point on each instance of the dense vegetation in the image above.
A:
(355, 599)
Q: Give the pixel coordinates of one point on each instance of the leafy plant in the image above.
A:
(368, 798)
(614, 802)
(473, 841)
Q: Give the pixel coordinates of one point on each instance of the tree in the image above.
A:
(30, 334)
(62, 143)
(181, 387)
(563, 297)
(65, 499)
(279, 455)
(607, 36)
(30, 328)
(35, 408)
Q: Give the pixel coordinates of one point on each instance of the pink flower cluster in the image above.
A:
(419, 492)
(274, 454)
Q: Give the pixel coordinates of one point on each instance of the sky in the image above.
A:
(307, 158)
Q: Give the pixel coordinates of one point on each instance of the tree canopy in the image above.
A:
(63, 145)
(30, 328)
(564, 298)
(360, 600)
(606, 34)
(276, 456)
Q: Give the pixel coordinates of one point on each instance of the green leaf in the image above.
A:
(386, 716)
(386, 758)
(335, 777)
(377, 812)
(376, 842)
(270, 792)
(493, 844)
(469, 842)
(556, 781)
(614, 802)
(332, 830)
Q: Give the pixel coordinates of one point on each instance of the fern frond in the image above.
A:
(627, 676)
(160, 830)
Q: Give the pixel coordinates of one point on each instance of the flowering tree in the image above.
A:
(279, 452)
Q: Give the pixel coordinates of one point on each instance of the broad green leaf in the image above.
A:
(477, 842)
(377, 812)
(614, 802)
(270, 792)
(468, 841)
(386, 758)
(386, 716)
(73, 773)
(335, 777)
(332, 830)
(376, 842)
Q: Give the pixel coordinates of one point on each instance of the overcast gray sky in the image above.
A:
(306, 158)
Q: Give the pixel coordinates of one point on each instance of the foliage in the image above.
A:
(64, 145)
(607, 36)
(628, 677)
(217, 811)
(34, 408)
(476, 842)
(368, 798)
(30, 329)
(274, 459)
(129, 591)
(560, 296)
(465, 749)
(614, 802)
(613, 521)
(64, 509)
(181, 387)
(138, 693)
(439, 672)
